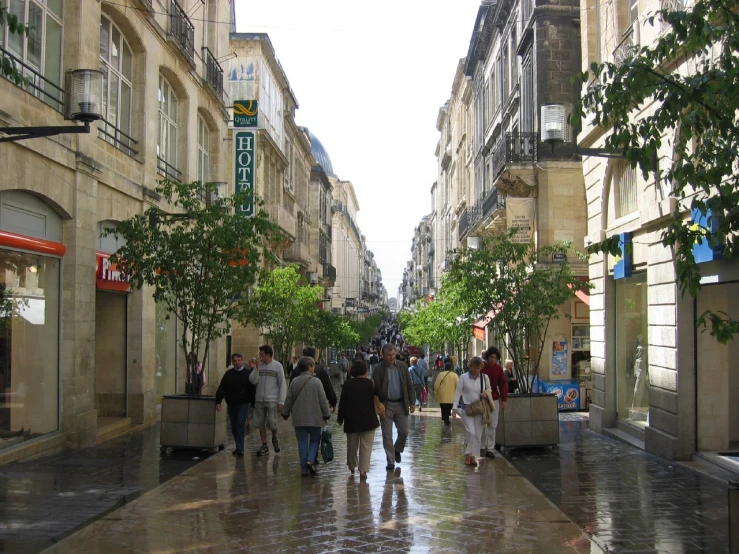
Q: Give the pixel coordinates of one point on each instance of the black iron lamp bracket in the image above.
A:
(22, 133)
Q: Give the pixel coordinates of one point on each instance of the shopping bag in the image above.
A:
(327, 448)
(424, 396)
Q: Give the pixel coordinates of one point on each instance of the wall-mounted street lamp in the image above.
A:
(83, 103)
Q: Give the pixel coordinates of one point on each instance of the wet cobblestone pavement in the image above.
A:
(47, 498)
(432, 502)
(629, 500)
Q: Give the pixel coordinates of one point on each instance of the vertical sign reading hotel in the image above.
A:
(244, 152)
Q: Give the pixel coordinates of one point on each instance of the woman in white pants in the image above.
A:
(469, 389)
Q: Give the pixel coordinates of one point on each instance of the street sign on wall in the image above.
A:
(245, 148)
(246, 114)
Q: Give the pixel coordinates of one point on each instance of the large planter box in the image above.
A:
(192, 422)
(528, 420)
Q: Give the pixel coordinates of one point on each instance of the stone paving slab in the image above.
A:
(432, 502)
(628, 500)
(48, 498)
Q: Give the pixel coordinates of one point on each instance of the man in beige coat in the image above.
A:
(392, 378)
(444, 387)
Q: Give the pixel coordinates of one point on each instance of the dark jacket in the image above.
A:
(236, 388)
(379, 375)
(357, 406)
(323, 375)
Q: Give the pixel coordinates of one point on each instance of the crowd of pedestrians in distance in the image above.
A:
(382, 384)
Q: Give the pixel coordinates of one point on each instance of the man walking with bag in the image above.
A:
(269, 377)
(392, 378)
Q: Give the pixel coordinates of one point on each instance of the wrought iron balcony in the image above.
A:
(213, 72)
(167, 170)
(514, 148)
(464, 224)
(626, 49)
(182, 29)
(492, 201)
(297, 252)
(329, 272)
(36, 84)
(116, 137)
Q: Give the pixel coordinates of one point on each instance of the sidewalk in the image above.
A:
(46, 499)
(432, 502)
(630, 501)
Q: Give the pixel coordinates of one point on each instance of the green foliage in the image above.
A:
(200, 266)
(8, 67)
(367, 327)
(326, 329)
(692, 71)
(504, 280)
(403, 319)
(283, 304)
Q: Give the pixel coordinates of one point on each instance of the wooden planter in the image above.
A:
(192, 422)
(528, 420)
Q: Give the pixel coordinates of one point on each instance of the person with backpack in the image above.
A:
(444, 387)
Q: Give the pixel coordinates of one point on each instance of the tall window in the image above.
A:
(40, 49)
(116, 63)
(528, 111)
(167, 139)
(203, 165)
(624, 185)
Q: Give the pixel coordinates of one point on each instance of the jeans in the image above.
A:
(309, 438)
(238, 413)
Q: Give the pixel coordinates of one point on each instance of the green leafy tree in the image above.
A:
(199, 262)
(689, 77)
(504, 280)
(367, 327)
(329, 330)
(282, 304)
(8, 66)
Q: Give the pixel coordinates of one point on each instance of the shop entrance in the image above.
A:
(110, 354)
(718, 376)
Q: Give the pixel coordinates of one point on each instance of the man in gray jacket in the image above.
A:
(392, 378)
(269, 377)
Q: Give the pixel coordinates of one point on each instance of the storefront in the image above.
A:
(30, 262)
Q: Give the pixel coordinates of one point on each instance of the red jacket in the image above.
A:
(497, 381)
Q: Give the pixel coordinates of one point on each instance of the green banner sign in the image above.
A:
(246, 114)
(245, 150)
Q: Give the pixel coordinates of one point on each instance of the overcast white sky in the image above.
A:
(370, 78)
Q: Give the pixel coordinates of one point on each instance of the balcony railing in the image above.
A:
(626, 49)
(514, 148)
(284, 219)
(329, 272)
(297, 252)
(116, 137)
(182, 29)
(464, 224)
(213, 72)
(492, 201)
(36, 84)
(167, 170)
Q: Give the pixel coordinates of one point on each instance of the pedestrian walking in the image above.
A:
(357, 414)
(269, 379)
(391, 377)
(343, 368)
(238, 392)
(423, 365)
(309, 407)
(323, 375)
(418, 382)
(444, 387)
(510, 376)
(469, 389)
(499, 387)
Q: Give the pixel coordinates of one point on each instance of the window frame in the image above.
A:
(168, 168)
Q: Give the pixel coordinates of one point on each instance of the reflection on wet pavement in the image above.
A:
(431, 503)
(48, 498)
(630, 500)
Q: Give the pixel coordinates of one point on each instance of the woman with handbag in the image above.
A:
(358, 415)
(470, 390)
(309, 406)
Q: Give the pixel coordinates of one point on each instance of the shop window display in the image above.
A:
(29, 318)
(632, 350)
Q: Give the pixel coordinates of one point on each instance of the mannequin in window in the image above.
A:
(640, 373)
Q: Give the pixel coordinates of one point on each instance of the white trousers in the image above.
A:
(488, 437)
(474, 428)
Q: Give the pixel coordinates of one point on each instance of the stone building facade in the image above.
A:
(85, 350)
(658, 382)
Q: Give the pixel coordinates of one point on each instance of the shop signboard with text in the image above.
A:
(567, 393)
(245, 143)
(246, 114)
(108, 276)
(521, 213)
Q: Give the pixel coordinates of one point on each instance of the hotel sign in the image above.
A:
(246, 114)
(245, 143)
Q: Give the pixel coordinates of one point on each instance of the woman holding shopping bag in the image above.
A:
(309, 406)
(357, 413)
(471, 390)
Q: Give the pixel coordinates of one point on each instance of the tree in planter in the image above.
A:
(505, 279)
(283, 305)
(689, 78)
(199, 262)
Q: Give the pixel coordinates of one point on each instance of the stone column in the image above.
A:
(141, 357)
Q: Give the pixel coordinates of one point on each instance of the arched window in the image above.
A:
(167, 139)
(116, 63)
(40, 49)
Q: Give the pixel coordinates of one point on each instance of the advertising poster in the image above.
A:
(559, 357)
(567, 393)
(520, 213)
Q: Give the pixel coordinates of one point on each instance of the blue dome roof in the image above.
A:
(320, 154)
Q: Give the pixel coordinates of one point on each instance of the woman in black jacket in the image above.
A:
(357, 413)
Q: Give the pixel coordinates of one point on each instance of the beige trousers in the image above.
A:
(363, 443)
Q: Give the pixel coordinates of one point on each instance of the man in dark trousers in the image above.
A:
(238, 391)
(391, 377)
